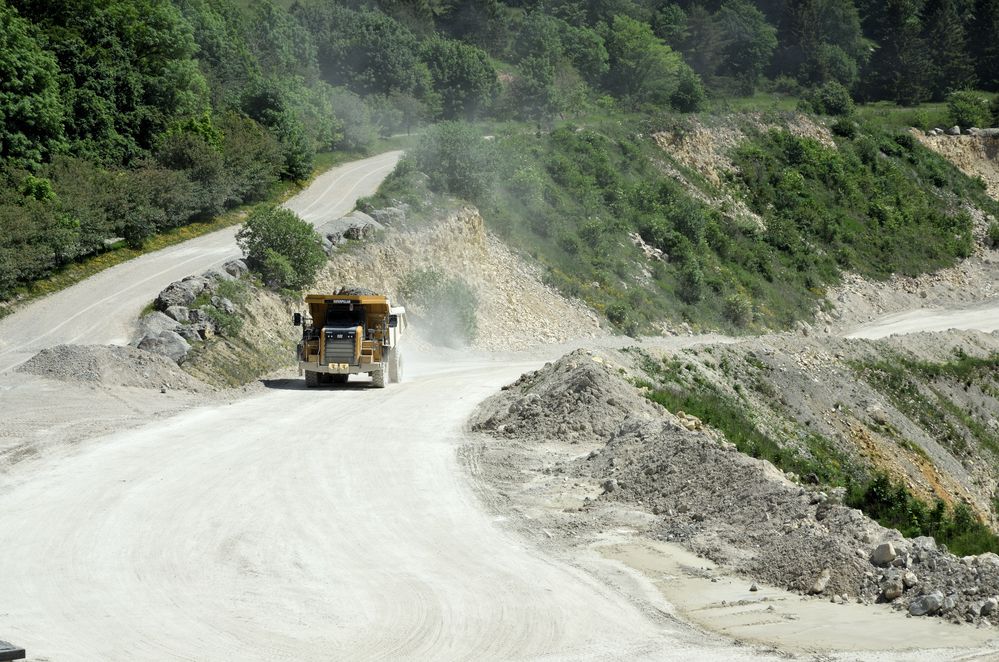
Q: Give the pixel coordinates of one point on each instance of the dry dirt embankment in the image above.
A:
(515, 308)
(579, 452)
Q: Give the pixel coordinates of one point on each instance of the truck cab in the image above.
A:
(345, 335)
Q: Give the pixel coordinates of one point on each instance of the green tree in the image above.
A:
(967, 109)
(748, 42)
(900, 67)
(462, 75)
(128, 71)
(952, 67)
(365, 50)
(983, 44)
(642, 68)
(282, 247)
(456, 159)
(30, 105)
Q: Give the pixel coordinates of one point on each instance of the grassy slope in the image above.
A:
(878, 203)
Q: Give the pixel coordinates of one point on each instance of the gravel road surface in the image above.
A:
(102, 309)
(980, 318)
(301, 525)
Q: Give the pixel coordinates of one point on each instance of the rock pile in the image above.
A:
(110, 365)
(572, 400)
(738, 511)
(175, 323)
(356, 226)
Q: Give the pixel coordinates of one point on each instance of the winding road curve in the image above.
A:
(289, 525)
(102, 309)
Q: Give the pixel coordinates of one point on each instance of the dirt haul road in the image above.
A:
(300, 525)
(984, 317)
(102, 309)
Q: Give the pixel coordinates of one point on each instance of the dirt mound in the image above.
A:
(574, 399)
(110, 365)
(742, 513)
(732, 508)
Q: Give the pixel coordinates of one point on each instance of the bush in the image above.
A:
(738, 309)
(689, 95)
(967, 109)
(994, 107)
(830, 99)
(456, 159)
(285, 250)
(992, 236)
(845, 128)
(444, 305)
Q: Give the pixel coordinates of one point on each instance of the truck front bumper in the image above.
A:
(337, 368)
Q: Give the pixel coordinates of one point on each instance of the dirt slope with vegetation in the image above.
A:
(568, 442)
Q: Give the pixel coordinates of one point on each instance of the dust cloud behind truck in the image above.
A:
(350, 334)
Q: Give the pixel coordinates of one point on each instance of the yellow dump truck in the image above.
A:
(350, 334)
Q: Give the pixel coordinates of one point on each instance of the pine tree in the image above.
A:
(984, 43)
(951, 64)
(900, 66)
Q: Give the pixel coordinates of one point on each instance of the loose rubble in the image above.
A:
(110, 365)
(742, 513)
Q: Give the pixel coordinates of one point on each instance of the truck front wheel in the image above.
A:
(311, 379)
(378, 378)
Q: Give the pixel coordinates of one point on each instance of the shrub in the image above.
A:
(445, 305)
(830, 99)
(992, 236)
(738, 309)
(994, 107)
(284, 249)
(845, 128)
(689, 95)
(967, 109)
(456, 159)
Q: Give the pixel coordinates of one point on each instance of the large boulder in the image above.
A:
(155, 322)
(927, 604)
(236, 268)
(356, 225)
(181, 292)
(168, 343)
(178, 313)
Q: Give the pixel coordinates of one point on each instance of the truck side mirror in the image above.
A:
(393, 321)
(296, 319)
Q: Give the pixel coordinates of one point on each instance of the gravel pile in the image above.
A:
(110, 365)
(742, 513)
(575, 399)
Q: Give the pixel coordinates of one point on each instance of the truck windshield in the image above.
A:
(344, 318)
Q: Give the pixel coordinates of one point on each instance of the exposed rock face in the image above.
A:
(181, 293)
(168, 343)
(516, 309)
(356, 226)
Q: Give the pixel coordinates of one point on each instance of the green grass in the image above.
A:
(892, 116)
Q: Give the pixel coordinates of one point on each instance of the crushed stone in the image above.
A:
(110, 365)
(742, 513)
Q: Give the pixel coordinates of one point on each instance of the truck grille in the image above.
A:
(339, 349)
